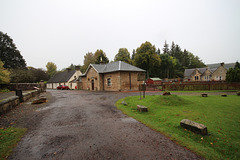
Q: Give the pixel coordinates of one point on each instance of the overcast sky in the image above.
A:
(64, 31)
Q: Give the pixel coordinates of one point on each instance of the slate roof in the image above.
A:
(211, 67)
(62, 77)
(113, 67)
(188, 72)
(214, 66)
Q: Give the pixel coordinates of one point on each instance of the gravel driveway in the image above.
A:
(87, 125)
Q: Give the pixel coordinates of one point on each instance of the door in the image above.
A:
(92, 84)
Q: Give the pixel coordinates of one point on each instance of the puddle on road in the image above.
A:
(129, 120)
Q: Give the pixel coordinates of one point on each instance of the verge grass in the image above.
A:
(8, 140)
(221, 115)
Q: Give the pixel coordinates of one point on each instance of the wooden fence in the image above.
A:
(194, 86)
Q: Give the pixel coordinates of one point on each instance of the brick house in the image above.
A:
(114, 76)
(67, 78)
(213, 72)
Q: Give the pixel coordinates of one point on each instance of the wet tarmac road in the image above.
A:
(87, 125)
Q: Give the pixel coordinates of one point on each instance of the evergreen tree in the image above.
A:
(233, 74)
(165, 48)
(9, 54)
(158, 51)
(133, 54)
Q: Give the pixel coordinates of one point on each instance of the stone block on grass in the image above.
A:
(204, 95)
(41, 99)
(142, 108)
(194, 127)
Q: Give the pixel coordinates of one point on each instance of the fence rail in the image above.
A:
(194, 86)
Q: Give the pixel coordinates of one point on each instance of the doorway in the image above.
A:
(92, 85)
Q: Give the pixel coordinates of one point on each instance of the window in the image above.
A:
(196, 78)
(109, 83)
(220, 78)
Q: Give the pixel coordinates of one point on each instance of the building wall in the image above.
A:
(126, 77)
(114, 84)
(70, 85)
(114, 81)
(206, 76)
(90, 82)
(196, 74)
(219, 74)
(75, 76)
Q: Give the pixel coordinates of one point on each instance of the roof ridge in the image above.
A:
(119, 66)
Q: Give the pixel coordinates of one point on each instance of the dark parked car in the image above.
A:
(62, 87)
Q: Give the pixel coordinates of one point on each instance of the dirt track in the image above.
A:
(87, 125)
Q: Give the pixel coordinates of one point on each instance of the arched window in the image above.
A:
(109, 83)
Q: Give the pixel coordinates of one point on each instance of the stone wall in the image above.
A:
(10, 102)
(23, 86)
(219, 74)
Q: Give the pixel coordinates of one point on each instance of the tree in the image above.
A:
(100, 57)
(167, 67)
(4, 74)
(9, 54)
(147, 59)
(29, 75)
(51, 69)
(165, 48)
(22, 76)
(233, 74)
(123, 55)
(39, 74)
(133, 54)
(88, 59)
(158, 51)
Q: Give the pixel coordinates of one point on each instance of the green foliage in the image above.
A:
(100, 57)
(123, 55)
(51, 69)
(29, 75)
(88, 59)
(133, 54)
(166, 48)
(4, 74)
(233, 74)
(147, 59)
(167, 66)
(184, 60)
(8, 140)
(4, 90)
(219, 114)
(9, 54)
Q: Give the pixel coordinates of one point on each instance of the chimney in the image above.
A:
(101, 61)
(222, 64)
(77, 68)
(68, 69)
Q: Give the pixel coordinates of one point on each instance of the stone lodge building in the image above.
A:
(213, 72)
(114, 76)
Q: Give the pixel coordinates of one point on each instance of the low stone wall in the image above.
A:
(23, 86)
(10, 102)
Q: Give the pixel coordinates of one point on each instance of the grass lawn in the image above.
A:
(221, 115)
(8, 140)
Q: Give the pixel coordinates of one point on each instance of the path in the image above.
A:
(87, 125)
